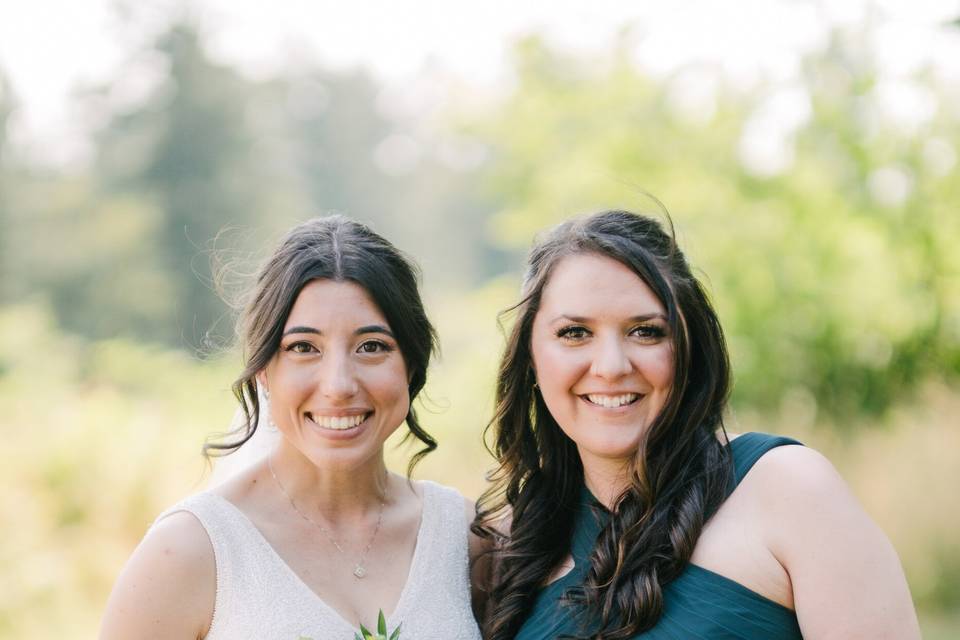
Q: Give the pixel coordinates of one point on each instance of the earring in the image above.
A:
(271, 425)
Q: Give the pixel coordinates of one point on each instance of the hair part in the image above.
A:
(339, 249)
(679, 475)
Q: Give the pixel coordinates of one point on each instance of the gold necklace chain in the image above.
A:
(359, 571)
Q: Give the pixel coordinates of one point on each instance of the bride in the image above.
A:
(315, 538)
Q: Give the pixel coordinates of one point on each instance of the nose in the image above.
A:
(610, 361)
(338, 380)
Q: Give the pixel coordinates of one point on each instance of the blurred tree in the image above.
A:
(110, 246)
(89, 254)
(190, 151)
(210, 150)
(442, 220)
(334, 128)
(126, 246)
(829, 244)
(6, 108)
(413, 179)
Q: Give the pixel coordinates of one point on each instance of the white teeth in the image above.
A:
(338, 423)
(612, 402)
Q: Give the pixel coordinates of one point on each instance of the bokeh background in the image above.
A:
(807, 153)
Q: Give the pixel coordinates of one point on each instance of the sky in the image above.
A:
(50, 48)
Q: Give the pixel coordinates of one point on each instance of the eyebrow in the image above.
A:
(370, 328)
(585, 320)
(374, 328)
(300, 330)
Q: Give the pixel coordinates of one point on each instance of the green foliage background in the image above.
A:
(840, 296)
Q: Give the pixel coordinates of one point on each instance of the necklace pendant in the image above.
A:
(359, 572)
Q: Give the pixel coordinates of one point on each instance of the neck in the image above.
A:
(330, 493)
(605, 478)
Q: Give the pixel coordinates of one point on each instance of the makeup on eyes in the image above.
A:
(304, 347)
(576, 332)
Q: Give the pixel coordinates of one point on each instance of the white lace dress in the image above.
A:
(260, 597)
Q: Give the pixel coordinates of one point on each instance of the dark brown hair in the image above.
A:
(678, 479)
(332, 248)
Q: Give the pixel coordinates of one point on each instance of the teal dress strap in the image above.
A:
(746, 449)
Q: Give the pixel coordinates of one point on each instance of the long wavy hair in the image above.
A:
(678, 478)
(333, 248)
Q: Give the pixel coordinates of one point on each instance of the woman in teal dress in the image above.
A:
(621, 508)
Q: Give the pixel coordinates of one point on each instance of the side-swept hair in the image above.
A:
(679, 475)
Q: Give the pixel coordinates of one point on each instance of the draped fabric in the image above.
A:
(699, 605)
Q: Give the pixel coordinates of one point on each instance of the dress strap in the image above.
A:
(750, 447)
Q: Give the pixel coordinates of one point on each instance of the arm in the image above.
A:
(168, 587)
(846, 577)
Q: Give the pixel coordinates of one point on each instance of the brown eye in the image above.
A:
(573, 332)
(374, 346)
(649, 332)
(301, 347)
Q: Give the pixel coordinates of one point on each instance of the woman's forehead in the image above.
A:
(593, 284)
(334, 303)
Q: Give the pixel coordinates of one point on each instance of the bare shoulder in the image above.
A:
(797, 469)
(168, 587)
(846, 578)
(795, 489)
(182, 542)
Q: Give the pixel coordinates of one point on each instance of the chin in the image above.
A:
(613, 451)
(344, 457)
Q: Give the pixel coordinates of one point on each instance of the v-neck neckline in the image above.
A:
(416, 563)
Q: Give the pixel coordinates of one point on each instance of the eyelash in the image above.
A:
(567, 332)
(293, 347)
(382, 347)
(649, 332)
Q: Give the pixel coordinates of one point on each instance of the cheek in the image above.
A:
(558, 370)
(391, 388)
(657, 368)
(289, 381)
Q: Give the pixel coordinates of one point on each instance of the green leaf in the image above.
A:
(381, 624)
(382, 632)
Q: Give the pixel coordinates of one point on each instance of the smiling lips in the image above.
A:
(338, 423)
(611, 401)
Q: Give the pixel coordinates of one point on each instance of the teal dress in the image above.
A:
(698, 604)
